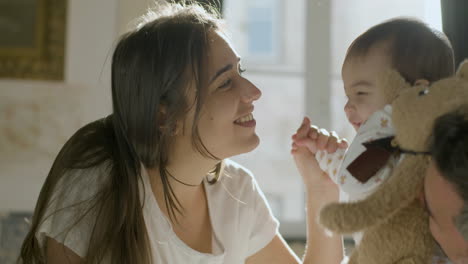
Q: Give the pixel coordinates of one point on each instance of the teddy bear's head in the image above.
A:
(425, 104)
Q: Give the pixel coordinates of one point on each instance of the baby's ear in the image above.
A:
(392, 84)
(463, 70)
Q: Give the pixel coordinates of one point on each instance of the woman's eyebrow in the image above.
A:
(223, 70)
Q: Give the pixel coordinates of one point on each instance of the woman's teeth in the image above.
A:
(244, 119)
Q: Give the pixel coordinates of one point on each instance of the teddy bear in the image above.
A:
(393, 220)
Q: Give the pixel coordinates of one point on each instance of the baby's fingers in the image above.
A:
(332, 144)
(303, 129)
(310, 144)
(322, 139)
(343, 143)
(313, 132)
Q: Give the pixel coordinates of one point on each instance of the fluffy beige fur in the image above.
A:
(394, 222)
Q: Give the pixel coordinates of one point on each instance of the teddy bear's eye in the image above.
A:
(423, 92)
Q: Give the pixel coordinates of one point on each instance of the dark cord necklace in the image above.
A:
(181, 182)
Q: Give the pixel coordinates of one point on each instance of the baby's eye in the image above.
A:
(362, 93)
(423, 92)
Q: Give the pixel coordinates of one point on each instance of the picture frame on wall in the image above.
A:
(32, 39)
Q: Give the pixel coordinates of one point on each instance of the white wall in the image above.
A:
(36, 117)
(129, 11)
(281, 107)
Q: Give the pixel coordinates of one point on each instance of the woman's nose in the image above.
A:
(251, 93)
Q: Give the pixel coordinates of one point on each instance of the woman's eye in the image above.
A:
(241, 70)
(361, 93)
(225, 84)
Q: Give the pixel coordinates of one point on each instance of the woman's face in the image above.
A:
(227, 125)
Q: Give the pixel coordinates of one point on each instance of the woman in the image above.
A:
(150, 183)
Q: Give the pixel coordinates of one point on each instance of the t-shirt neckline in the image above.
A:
(153, 205)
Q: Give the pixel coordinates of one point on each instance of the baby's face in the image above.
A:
(359, 75)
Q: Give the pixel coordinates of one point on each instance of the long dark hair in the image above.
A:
(153, 67)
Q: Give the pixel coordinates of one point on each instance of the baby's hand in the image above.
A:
(315, 139)
(306, 142)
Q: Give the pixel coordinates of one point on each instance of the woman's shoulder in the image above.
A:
(235, 181)
(234, 167)
(72, 208)
(97, 173)
(81, 183)
(237, 173)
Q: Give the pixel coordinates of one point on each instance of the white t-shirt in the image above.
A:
(241, 219)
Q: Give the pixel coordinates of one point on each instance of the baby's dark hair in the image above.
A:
(449, 149)
(415, 50)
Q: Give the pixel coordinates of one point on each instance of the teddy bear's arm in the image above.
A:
(399, 190)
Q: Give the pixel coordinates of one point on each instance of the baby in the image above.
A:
(421, 55)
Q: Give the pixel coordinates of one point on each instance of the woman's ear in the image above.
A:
(167, 126)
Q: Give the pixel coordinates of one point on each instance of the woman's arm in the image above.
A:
(320, 190)
(57, 253)
(321, 248)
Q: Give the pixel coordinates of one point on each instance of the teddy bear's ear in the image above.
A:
(463, 70)
(392, 83)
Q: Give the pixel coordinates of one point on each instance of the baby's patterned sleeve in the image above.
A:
(330, 163)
